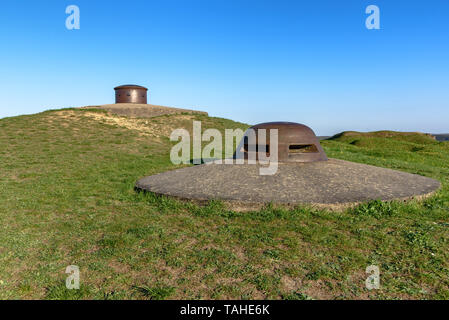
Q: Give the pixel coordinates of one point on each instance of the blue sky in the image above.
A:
(312, 62)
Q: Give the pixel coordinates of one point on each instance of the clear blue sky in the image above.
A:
(312, 62)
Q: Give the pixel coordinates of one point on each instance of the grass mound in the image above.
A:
(418, 152)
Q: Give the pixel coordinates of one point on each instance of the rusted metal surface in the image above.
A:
(296, 143)
(131, 94)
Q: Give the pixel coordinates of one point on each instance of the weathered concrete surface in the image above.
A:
(142, 110)
(333, 184)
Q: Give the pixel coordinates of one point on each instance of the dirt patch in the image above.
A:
(143, 127)
(289, 284)
(119, 267)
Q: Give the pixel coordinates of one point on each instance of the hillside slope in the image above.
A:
(67, 198)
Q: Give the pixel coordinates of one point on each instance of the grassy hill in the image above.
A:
(67, 198)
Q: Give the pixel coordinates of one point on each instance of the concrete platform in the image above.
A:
(333, 184)
(142, 110)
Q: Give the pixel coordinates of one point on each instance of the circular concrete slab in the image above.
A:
(333, 184)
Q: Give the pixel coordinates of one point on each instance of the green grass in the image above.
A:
(67, 198)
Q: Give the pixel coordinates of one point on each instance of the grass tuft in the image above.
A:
(155, 293)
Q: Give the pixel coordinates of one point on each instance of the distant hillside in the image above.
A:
(442, 137)
(414, 137)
